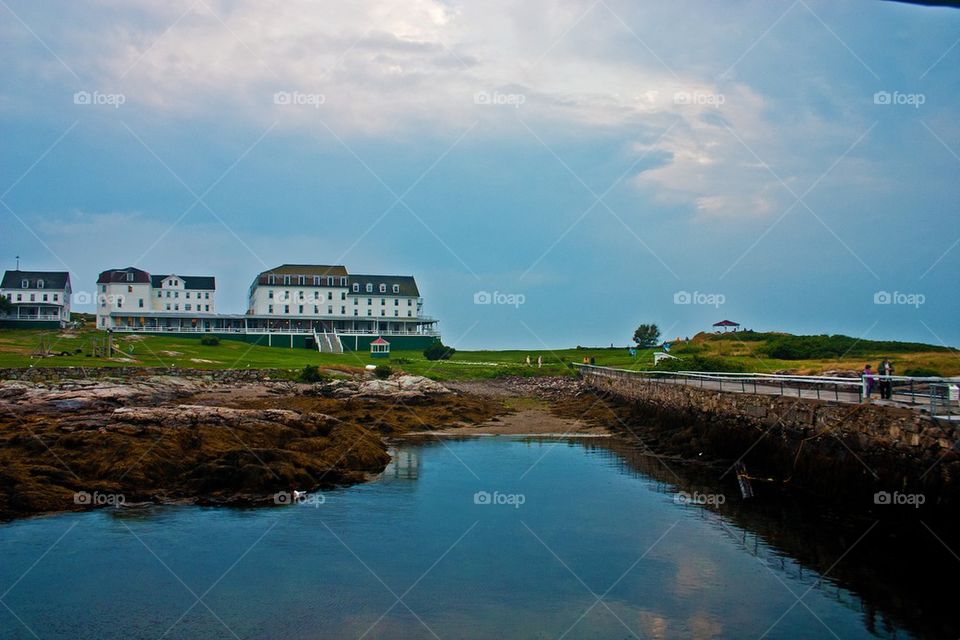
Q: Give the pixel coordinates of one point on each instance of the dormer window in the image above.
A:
(383, 288)
(39, 284)
(343, 282)
(301, 280)
(316, 281)
(356, 288)
(329, 281)
(271, 280)
(130, 276)
(369, 287)
(286, 279)
(396, 288)
(24, 284)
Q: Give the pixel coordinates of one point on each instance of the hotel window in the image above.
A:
(369, 300)
(24, 284)
(286, 295)
(329, 281)
(129, 289)
(176, 294)
(56, 297)
(270, 294)
(356, 301)
(168, 306)
(130, 276)
(383, 288)
(316, 309)
(140, 303)
(383, 302)
(396, 302)
(329, 295)
(176, 307)
(301, 295)
(343, 295)
(103, 288)
(168, 294)
(343, 311)
(44, 297)
(19, 297)
(316, 281)
(316, 295)
(343, 282)
(271, 280)
(286, 279)
(206, 307)
(396, 288)
(409, 302)
(409, 314)
(356, 312)
(286, 308)
(356, 288)
(300, 309)
(369, 312)
(39, 284)
(383, 312)
(329, 309)
(159, 294)
(33, 297)
(301, 280)
(269, 308)
(396, 312)
(369, 287)
(186, 307)
(188, 295)
(206, 295)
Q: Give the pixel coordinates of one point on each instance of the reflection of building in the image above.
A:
(405, 464)
(38, 298)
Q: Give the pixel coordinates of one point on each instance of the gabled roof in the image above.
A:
(379, 340)
(13, 279)
(120, 275)
(307, 270)
(189, 282)
(407, 284)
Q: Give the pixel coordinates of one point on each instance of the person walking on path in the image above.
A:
(539, 362)
(886, 384)
(867, 377)
(528, 360)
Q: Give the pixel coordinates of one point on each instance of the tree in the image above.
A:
(646, 336)
(437, 351)
(5, 305)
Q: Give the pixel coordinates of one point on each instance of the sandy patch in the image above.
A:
(525, 422)
(202, 360)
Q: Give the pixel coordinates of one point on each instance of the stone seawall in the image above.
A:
(824, 446)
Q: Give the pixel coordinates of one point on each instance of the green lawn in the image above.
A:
(19, 348)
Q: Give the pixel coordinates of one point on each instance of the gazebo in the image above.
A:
(379, 348)
(726, 323)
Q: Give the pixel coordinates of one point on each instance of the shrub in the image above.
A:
(383, 371)
(923, 372)
(701, 363)
(210, 341)
(310, 373)
(787, 347)
(437, 351)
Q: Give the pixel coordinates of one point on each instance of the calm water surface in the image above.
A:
(595, 550)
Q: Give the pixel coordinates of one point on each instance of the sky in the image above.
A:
(553, 173)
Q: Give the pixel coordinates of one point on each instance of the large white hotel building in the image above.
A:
(293, 305)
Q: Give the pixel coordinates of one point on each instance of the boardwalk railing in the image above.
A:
(940, 394)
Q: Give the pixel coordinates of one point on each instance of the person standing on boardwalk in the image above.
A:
(539, 362)
(867, 377)
(886, 384)
(528, 360)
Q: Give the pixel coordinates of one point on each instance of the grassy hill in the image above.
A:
(740, 351)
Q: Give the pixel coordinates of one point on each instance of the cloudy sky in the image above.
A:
(597, 163)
